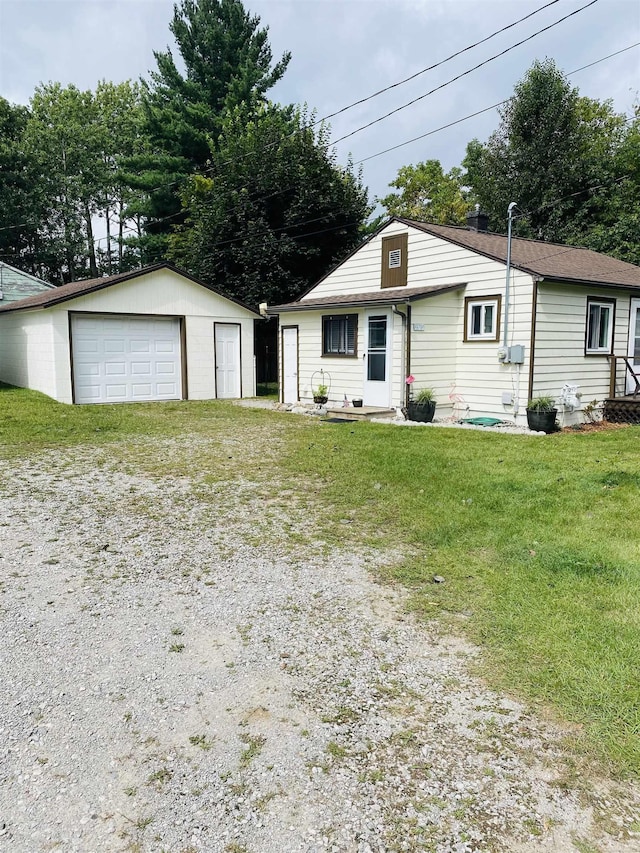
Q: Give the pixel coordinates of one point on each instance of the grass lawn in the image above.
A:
(535, 537)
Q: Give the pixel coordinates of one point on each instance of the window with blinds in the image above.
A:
(339, 334)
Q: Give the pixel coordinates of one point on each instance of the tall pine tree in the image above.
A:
(228, 62)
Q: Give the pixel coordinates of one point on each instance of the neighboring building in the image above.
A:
(150, 334)
(15, 284)
(431, 301)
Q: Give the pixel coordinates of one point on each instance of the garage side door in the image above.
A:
(121, 359)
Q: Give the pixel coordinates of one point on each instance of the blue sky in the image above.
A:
(344, 50)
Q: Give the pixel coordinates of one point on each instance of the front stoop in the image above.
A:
(360, 413)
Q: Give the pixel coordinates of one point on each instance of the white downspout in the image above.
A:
(403, 372)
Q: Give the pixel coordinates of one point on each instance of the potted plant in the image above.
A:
(422, 407)
(541, 414)
(320, 394)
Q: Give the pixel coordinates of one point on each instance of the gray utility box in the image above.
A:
(515, 354)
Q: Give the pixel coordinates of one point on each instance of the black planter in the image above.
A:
(542, 421)
(319, 399)
(422, 412)
(357, 402)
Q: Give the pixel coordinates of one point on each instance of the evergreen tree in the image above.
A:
(228, 62)
(277, 212)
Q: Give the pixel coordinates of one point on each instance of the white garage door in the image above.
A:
(119, 359)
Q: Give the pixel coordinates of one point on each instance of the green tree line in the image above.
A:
(197, 166)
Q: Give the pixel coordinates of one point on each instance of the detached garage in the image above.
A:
(151, 334)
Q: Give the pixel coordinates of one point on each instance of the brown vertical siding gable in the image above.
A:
(394, 276)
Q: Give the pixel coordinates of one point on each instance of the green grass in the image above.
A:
(535, 537)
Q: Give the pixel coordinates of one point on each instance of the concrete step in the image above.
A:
(360, 413)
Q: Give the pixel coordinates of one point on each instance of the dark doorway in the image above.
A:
(266, 348)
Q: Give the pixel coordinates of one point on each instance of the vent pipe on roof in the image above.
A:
(477, 220)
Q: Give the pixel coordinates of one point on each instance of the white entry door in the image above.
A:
(377, 360)
(290, 364)
(227, 340)
(125, 358)
(634, 343)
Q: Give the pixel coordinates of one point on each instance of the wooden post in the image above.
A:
(612, 379)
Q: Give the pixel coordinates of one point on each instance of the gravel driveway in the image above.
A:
(178, 676)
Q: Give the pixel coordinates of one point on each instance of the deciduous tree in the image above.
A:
(428, 194)
(568, 162)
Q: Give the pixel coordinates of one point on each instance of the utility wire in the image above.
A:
(487, 109)
(463, 74)
(371, 156)
(435, 65)
(430, 132)
(231, 161)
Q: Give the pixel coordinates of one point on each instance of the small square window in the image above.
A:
(482, 319)
(600, 318)
(395, 259)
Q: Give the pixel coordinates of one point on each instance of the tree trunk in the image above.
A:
(108, 242)
(93, 266)
(120, 234)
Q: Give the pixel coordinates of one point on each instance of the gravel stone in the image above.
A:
(177, 676)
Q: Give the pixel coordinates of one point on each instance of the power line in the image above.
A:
(463, 74)
(484, 110)
(380, 92)
(428, 133)
(435, 65)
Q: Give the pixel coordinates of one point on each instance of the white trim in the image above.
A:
(483, 304)
(606, 349)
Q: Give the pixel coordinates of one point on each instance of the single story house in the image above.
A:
(16, 284)
(150, 334)
(433, 301)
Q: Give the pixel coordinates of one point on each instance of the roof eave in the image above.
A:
(551, 279)
(400, 299)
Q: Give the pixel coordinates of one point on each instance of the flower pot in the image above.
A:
(422, 412)
(319, 399)
(542, 421)
(357, 402)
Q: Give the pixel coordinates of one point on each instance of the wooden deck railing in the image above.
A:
(614, 359)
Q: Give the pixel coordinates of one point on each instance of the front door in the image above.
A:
(377, 361)
(634, 344)
(227, 340)
(290, 364)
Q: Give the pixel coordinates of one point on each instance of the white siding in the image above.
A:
(27, 351)
(344, 374)
(560, 338)
(481, 379)
(162, 292)
(467, 373)
(434, 348)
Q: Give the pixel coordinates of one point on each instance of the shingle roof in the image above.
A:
(388, 296)
(80, 288)
(16, 284)
(546, 260)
